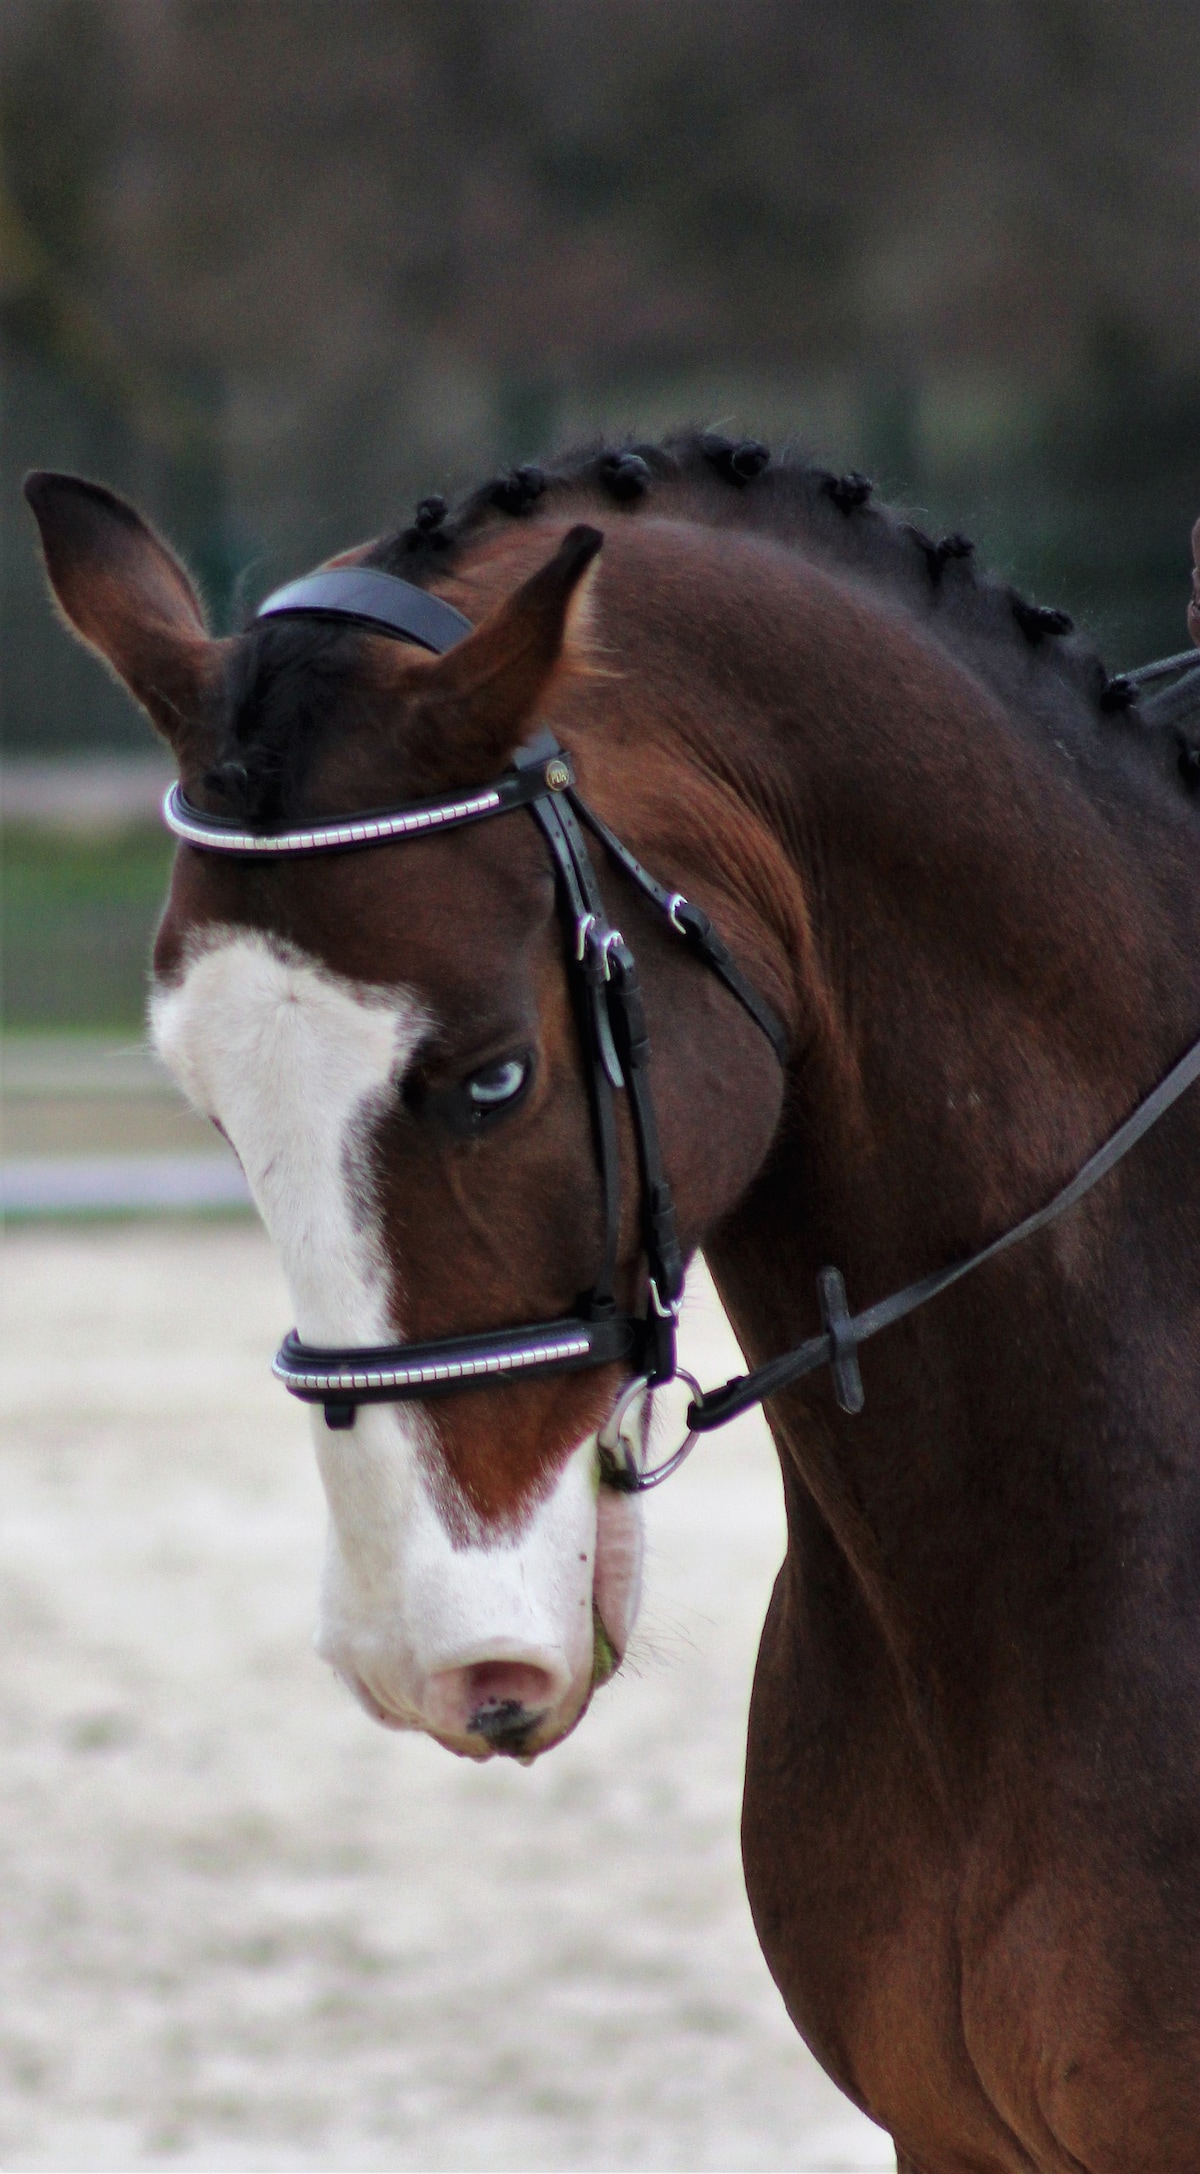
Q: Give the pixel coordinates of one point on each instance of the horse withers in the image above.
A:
(951, 864)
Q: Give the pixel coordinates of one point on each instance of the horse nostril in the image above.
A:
(504, 1723)
(509, 1685)
(502, 1703)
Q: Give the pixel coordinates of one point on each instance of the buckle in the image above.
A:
(668, 1311)
(843, 1346)
(589, 936)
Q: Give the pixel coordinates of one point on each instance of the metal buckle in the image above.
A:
(667, 1312)
(675, 901)
(619, 1467)
(588, 932)
(608, 943)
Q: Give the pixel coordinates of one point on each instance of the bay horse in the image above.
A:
(939, 847)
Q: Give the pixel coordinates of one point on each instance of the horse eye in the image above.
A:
(497, 1083)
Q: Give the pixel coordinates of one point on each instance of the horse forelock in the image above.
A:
(289, 685)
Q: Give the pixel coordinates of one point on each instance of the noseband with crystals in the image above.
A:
(612, 1030)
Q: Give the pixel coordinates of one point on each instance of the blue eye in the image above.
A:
(498, 1083)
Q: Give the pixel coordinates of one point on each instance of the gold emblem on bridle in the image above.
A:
(558, 774)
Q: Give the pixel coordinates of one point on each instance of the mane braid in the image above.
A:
(787, 497)
(1026, 653)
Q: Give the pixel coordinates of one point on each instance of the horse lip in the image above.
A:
(390, 1717)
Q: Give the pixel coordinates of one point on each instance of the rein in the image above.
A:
(610, 1019)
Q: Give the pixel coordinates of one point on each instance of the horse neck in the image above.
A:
(1002, 978)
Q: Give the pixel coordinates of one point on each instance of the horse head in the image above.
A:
(387, 1040)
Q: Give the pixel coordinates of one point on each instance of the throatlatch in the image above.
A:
(614, 1040)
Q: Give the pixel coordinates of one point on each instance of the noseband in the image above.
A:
(610, 1018)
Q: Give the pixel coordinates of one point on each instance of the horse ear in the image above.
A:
(475, 704)
(127, 596)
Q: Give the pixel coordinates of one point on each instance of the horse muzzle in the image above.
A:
(492, 1645)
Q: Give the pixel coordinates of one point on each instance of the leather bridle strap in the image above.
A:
(620, 1058)
(391, 1373)
(368, 597)
(587, 968)
(660, 1237)
(375, 826)
(693, 924)
(844, 1332)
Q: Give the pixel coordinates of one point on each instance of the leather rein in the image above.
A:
(610, 1019)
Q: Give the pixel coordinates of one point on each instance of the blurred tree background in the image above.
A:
(276, 267)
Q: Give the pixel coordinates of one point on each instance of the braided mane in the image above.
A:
(722, 482)
(1027, 654)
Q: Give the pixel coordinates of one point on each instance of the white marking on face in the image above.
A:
(409, 1618)
(296, 1063)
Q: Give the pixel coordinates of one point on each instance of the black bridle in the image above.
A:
(611, 1023)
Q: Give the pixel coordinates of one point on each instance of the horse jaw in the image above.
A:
(432, 1627)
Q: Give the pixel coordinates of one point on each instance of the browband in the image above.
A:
(387, 605)
(370, 598)
(223, 834)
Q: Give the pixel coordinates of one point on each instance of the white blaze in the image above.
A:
(296, 1063)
